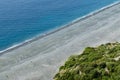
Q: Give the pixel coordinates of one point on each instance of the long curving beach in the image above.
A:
(40, 59)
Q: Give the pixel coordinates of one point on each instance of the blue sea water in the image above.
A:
(24, 19)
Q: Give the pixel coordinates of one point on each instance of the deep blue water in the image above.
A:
(23, 19)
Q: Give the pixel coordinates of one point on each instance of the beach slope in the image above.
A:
(40, 59)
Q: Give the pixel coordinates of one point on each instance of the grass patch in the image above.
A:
(95, 63)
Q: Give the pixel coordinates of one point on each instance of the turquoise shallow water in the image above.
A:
(24, 19)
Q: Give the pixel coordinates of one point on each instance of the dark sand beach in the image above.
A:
(40, 58)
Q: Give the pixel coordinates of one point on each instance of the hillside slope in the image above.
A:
(95, 63)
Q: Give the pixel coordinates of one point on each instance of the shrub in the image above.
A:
(94, 64)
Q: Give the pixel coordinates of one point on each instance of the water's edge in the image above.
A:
(58, 29)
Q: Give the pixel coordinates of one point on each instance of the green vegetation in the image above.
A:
(95, 63)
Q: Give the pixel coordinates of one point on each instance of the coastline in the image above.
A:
(41, 59)
(58, 29)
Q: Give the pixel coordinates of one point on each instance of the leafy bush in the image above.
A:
(95, 63)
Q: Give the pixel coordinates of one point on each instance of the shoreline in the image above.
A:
(28, 41)
(41, 59)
